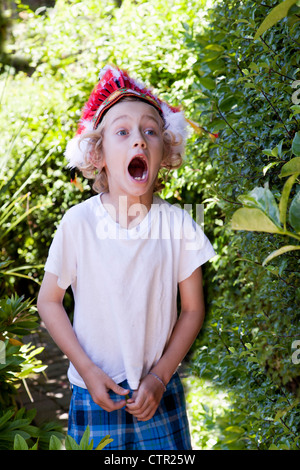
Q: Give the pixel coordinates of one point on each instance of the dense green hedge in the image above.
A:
(245, 93)
(239, 92)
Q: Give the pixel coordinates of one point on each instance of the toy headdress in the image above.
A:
(113, 85)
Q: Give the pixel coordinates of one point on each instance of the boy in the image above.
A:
(125, 252)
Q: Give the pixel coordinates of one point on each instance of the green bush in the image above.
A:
(244, 89)
(18, 318)
(18, 361)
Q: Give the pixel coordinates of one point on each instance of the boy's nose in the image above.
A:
(139, 140)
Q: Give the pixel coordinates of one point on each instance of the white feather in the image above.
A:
(175, 122)
(75, 151)
(115, 72)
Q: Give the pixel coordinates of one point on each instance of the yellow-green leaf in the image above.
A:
(20, 443)
(294, 213)
(285, 198)
(280, 251)
(275, 15)
(291, 168)
(264, 200)
(235, 429)
(296, 144)
(106, 440)
(253, 220)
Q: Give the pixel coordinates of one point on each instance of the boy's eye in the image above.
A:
(150, 131)
(122, 132)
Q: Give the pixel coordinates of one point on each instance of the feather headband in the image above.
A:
(114, 84)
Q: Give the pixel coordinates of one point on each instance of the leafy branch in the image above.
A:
(262, 214)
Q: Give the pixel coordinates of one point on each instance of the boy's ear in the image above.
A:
(166, 155)
(163, 163)
(97, 160)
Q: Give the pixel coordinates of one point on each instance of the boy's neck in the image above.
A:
(127, 211)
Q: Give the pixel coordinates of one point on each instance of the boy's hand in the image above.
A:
(145, 399)
(98, 384)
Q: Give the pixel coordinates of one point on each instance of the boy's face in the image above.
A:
(132, 147)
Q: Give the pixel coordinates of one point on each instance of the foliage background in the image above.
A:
(204, 57)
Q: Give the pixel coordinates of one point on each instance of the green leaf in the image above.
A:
(84, 442)
(20, 443)
(295, 108)
(280, 251)
(215, 47)
(253, 220)
(294, 213)
(227, 103)
(6, 417)
(71, 444)
(275, 15)
(296, 144)
(252, 359)
(235, 429)
(285, 197)
(106, 440)
(207, 82)
(291, 168)
(263, 199)
(273, 447)
(267, 167)
(55, 443)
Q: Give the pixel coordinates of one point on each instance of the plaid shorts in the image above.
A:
(168, 429)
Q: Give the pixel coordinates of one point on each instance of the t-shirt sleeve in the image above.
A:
(61, 259)
(195, 249)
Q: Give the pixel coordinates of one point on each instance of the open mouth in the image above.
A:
(138, 169)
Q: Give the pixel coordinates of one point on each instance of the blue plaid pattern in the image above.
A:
(168, 429)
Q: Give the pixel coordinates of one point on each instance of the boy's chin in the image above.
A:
(139, 187)
(139, 192)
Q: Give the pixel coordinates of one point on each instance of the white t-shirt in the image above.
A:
(125, 282)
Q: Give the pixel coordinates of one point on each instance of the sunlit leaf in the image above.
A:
(20, 443)
(296, 144)
(55, 443)
(103, 443)
(71, 444)
(285, 198)
(208, 83)
(294, 213)
(275, 15)
(280, 251)
(263, 199)
(291, 168)
(253, 220)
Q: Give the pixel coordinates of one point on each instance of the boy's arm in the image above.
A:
(188, 325)
(52, 312)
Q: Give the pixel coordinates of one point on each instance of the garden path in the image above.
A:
(50, 391)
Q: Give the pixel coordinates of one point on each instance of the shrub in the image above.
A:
(243, 89)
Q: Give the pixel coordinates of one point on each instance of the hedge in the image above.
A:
(244, 90)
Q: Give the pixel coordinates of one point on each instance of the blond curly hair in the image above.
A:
(92, 169)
